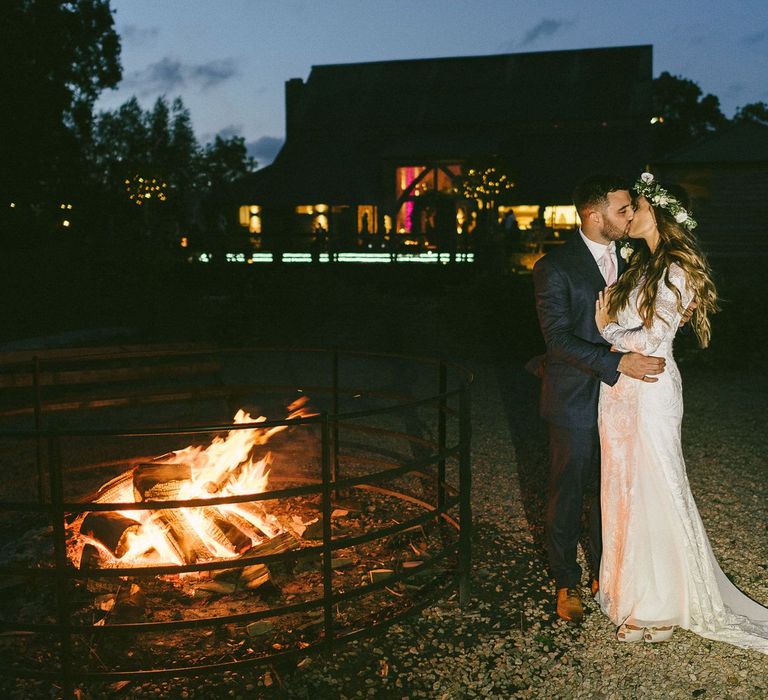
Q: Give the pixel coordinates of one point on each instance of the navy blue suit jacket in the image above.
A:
(567, 281)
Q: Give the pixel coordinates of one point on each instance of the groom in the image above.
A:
(566, 282)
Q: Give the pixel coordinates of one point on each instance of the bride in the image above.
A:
(658, 570)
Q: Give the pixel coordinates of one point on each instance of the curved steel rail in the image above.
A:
(430, 469)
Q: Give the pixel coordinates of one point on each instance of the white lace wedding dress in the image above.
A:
(658, 567)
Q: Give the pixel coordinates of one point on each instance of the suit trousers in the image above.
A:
(574, 478)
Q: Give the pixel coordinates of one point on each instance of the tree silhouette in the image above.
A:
(57, 58)
(753, 112)
(154, 174)
(682, 114)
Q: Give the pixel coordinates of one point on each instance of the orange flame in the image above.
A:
(224, 468)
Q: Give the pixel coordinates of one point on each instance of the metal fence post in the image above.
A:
(465, 487)
(60, 556)
(442, 432)
(38, 426)
(335, 427)
(327, 533)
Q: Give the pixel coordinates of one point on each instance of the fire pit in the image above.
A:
(146, 533)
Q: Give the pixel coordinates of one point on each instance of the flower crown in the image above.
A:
(647, 186)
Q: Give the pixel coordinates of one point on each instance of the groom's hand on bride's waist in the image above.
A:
(641, 367)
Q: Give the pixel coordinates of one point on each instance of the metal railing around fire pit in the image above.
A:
(381, 459)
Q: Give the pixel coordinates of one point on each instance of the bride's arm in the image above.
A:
(646, 338)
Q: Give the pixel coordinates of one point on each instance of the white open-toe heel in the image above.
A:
(658, 634)
(629, 633)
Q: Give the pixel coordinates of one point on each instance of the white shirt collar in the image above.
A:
(597, 249)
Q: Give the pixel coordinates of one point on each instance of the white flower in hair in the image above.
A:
(659, 197)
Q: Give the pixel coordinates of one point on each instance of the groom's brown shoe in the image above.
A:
(569, 606)
(594, 587)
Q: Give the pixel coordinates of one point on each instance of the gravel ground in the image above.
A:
(508, 642)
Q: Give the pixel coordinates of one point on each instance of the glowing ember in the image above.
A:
(185, 535)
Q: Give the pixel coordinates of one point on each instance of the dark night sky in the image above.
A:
(229, 59)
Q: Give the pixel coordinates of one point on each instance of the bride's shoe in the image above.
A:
(658, 634)
(629, 633)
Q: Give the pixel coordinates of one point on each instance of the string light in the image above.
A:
(141, 189)
(484, 185)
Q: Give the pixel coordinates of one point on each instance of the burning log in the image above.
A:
(283, 542)
(181, 536)
(192, 534)
(160, 481)
(110, 529)
(248, 532)
(256, 575)
(233, 531)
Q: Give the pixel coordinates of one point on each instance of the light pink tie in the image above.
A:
(609, 267)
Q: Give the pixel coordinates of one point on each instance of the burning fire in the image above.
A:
(184, 535)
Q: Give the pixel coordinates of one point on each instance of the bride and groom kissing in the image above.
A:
(611, 396)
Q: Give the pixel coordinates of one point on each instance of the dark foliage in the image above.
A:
(686, 115)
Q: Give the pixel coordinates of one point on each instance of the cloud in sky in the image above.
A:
(140, 36)
(170, 74)
(264, 149)
(213, 72)
(545, 28)
(754, 38)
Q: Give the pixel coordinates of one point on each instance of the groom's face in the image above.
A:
(617, 215)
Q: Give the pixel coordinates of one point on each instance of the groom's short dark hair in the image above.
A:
(593, 190)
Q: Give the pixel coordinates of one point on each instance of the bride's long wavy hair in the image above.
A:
(676, 245)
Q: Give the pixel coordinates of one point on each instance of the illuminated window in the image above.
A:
(387, 224)
(444, 179)
(366, 219)
(319, 213)
(461, 220)
(561, 216)
(305, 209)
(405, 178)
(250, 217)
(244, 214)
(415, 181)
(524, 213)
